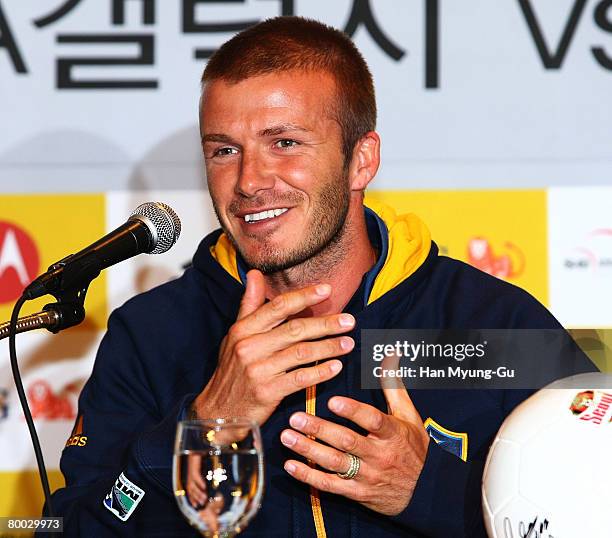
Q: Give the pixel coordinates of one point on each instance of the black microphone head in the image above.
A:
(163, 223)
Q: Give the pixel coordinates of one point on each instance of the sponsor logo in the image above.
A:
(28, 244)
(3, 403)
(453, 442)
(510, 264)
(594, 254)
(582, 402)
(592, 406)
(76, 437)
(19, 261)
(47, 405)
(123, 498)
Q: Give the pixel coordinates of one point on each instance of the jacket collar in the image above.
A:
(403, 243)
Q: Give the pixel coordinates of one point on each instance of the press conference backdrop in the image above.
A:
(496, 126)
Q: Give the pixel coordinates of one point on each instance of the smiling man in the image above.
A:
(276, 172)
(266, 324)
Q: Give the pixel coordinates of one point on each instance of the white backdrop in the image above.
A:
(497, 117)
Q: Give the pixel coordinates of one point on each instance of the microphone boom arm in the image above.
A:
(47, 319)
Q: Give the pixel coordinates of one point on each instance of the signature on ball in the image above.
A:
(528, 530)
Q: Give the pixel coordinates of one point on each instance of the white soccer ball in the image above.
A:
(549, 470)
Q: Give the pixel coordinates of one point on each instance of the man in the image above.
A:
(266, 325)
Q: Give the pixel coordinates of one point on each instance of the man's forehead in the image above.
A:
(277, 86)
(288, 100)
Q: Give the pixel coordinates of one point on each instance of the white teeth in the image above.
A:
(268, 214)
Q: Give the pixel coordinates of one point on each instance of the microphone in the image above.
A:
(152, 228)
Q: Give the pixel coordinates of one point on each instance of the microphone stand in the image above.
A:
(54, 317)
(69, 310)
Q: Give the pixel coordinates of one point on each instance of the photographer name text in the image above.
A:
(450, 372)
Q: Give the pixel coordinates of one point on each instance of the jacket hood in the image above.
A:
(403, 241)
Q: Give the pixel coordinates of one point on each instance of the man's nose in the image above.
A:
(255, 175)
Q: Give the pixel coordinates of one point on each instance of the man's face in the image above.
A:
(274, 165)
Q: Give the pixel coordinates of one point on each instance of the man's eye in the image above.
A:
(286, 143)
(224, 151)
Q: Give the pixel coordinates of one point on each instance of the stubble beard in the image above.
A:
(322, 246)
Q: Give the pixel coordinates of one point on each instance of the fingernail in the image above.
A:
(347, 343)
(290, 467)
(335, 405)
(323, 289)
(335, 366)
(288, 438)
(346, 320)
(297, 421)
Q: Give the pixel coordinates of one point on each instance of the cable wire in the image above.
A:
(42, 471)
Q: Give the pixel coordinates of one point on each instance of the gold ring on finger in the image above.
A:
(353, 469)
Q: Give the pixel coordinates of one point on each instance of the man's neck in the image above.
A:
(341, 264)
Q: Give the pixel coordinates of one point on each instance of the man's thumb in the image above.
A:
(399, 402)
(254, 295)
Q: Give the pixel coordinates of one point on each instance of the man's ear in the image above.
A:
(365, 161)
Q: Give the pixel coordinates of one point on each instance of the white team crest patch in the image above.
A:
(123, 498)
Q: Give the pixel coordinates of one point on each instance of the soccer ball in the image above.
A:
(549, 470)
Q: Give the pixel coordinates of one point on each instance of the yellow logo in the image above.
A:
(77, 440)
(76, 437)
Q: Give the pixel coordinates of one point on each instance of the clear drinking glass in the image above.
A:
(218, 474)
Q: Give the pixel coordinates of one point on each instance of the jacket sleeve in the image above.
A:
(121, 432)
(443, 502)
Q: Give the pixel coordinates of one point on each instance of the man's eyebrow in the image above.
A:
(282, 128)
(274, 130)
(217, 137)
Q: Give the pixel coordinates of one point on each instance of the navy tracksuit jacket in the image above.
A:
(161, 348)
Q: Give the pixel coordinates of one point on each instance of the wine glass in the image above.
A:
(218, 474)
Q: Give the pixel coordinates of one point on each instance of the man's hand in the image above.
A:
(262, 357)
(392, 454)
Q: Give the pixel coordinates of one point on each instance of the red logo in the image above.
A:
(45, 404)
(593, 406)
(19, 261)
(481, 256)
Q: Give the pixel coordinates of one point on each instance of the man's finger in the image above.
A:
(339, 437)
(323, 481)
(324, 456)
(294, 337)
(305, 377)
(304, 353)
(275, 312)
(254, 295)
(364, 415)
